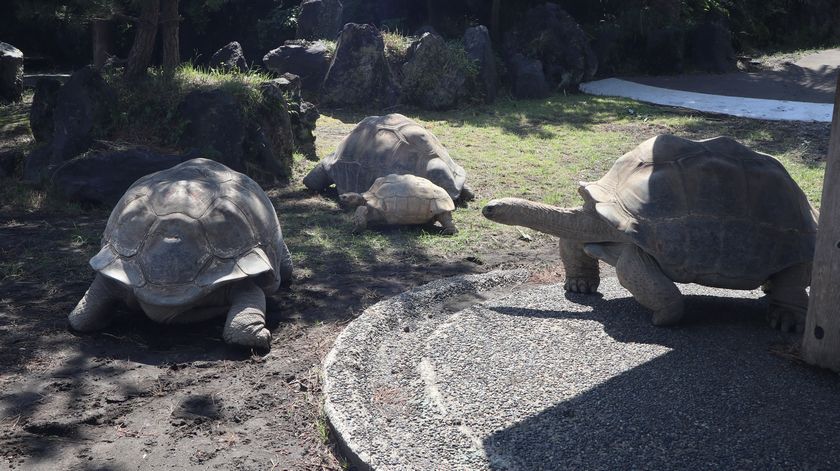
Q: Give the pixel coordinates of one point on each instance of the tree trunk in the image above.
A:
(102, 42)
(821, 339)
(169, 20)
(144, 40)
(495, 19)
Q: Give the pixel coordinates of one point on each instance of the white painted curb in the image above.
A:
(757, 108)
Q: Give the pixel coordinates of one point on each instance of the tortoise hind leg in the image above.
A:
(641, 275)
(788, 298)
(245, 323)
(93, 312)
(582, 273)
(445, 220)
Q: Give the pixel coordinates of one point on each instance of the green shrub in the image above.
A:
(147, 109)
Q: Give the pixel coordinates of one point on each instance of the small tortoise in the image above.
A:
(384, 145)
(401, 199)
(189, 243)
(710, 212)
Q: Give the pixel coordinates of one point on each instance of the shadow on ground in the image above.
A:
(717, 400)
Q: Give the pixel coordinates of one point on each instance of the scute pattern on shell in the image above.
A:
(391, 144)
(707, 207)
(406, 199)
(178, 234)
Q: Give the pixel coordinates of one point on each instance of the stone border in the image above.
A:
(344, 366)
(756, 108)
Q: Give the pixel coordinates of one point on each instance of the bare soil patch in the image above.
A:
(140, 395)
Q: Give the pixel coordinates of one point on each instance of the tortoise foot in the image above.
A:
(786, 319)
(449, 231)
(260, 339)
(581, 285)
(670, 315)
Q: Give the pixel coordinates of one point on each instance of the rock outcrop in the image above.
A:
(319, 19)
(308, 60)
(479, 50)
(11, 73)
(102, 176)
(229, 58)
(359, 73)
(43, 105)
(434, 77)
(549, 34)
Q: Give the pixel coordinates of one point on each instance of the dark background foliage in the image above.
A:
(56, 33)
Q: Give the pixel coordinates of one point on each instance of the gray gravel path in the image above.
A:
(485, 372)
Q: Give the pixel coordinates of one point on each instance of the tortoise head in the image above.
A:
(352, 200)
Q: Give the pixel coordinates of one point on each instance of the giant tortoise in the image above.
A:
(711, 212)
(401, 199)
(384, 145)
(189, 243)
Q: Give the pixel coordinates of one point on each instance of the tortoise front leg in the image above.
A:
(445, 220)
(94, 310)
(788, 298)
(641, 275)
(582, 275)
(360, 219)
(245, 323)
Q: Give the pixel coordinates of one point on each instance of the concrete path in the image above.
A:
(490, 372)
(800, 91)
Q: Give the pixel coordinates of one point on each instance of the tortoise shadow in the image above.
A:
(719, 396)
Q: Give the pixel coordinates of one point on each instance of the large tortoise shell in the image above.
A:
(707, 207)
(177, 234)
(391, 144)
(406, 199)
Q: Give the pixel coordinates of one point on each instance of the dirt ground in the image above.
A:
(140, 395)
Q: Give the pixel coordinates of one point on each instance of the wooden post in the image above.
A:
(102, 43)
(144, 39)
(495, 20)
(821, 340)
(169, 34)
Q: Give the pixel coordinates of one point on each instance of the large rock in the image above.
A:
(309, 61)
(359, 73)
(552, 36)
(319, 19)
(43, 105)
(10, 162)
(665, 51)
(36, 165)
(527, 77)
(303, 116)
(709, 48)
(229, 58)
(610, 49)
(257, 142)
(102, 176)
(11, 73)
(433, 77)
(214, 126)
(83, 112)
(270, 142)
(479, 50)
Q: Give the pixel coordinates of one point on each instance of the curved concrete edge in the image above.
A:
(344, 365)
(756, 108)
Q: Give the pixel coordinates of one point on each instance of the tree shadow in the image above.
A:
(717, 400)
(522, 118)
(788, 82)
